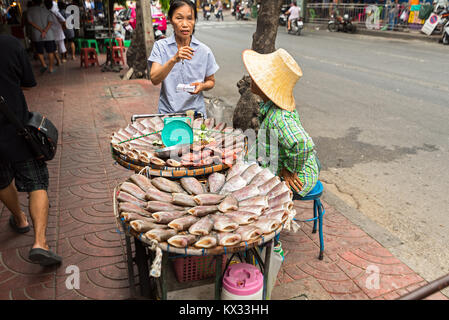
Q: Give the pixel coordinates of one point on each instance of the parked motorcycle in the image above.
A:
(341, 24)
(158, 34)
(296, 26)
(239, 14)
(444, 20)
(283, 17)
(219, 14)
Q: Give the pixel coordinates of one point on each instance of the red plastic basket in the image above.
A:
(196, 267)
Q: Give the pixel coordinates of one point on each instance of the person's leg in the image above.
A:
(72, 47)
(288, 24)
(39, 46)
(39, 205)
(50, 47)
(10, 198)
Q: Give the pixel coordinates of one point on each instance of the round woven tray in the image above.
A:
(192, 251)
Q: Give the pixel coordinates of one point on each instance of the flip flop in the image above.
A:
(43, 69)
(16, 228)
(44, 257)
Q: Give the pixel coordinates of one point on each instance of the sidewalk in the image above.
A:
(87, 105)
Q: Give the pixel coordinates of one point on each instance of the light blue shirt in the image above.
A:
(201, 66)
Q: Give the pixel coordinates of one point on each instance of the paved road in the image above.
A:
(378, 110)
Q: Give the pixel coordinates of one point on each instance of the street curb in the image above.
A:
(378, 233)
(384, 34)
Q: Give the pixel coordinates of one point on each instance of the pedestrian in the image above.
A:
(294, 13)
(182, 59)
(28, 27)
(42, 35)
(219, 10)
(274, 76)
(393, 14)
(58, 32)
(69, 33)
(19, 171)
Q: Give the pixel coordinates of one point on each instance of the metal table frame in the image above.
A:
(148, 288)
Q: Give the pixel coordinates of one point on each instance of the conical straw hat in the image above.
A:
(275, 74)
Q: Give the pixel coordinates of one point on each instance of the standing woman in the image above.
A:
(182, 59)
(57, 29)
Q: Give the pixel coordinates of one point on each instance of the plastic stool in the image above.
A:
(88, 43)
(78, 44)
(107, 43)
(318, 212)
(118, 52)
(88, 56)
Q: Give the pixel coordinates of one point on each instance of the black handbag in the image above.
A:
(39, 132)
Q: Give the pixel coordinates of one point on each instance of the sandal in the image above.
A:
(16, 228)
(44, 257)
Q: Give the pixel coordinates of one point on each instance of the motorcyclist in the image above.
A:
(293, 13)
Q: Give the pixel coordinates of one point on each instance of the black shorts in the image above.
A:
(29, 175)
(49, 46)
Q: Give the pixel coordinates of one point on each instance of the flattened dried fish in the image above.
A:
(131, 207)
(255, 201)
(126, 197)
(228, 204)
(280, 215)
(160, 235)
(158, 123)
(246, 192)
(237, 169)
(183, 199)
(267, 225)
(148, 123)
(251, 172)
(280, 199)
(167, 216)
(224, 223)
(279, 189)
(155, 206)
(220, 126)
(157, 161)
(201, 211)
(207, 242)
(242, 217)
(228, 238)
(216, 181)
(155, 194)
(197, 123)
(146, 225)
(192, 185)
(202, 227)
(258, 210)
(166, 185)
(142, 182)
(233, 184)
(270, 184)
(182, 240)
(133, 189)
(173, 163)
(249, 233)
(209, 122)
(262, 177)
(183, 223)
(129, 216)
(207, 199)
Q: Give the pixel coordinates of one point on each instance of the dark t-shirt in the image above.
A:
(15, 72)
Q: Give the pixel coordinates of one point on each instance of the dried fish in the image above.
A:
(182, 240)
(156, 206)
(242, 217)
(201, 211)
(255, 201)
(270, 184)
(233, 184)
(280, 199)
(224, 223)
(183, 199)
(280, 215)
(166, 185)
(220, 126)
(157, 161)
(173, 163)
(197, 123)
(246, 192)
(131, 207)
(146, 225)
(258, 210)
(228, 204)
(279, 189)
(160, 235)
(202, 227)
(249, 233)
(126, 197)
(207, 242)
(251, 172)
(155, 194)
(209, 122)
(167, 216)
(158, 123)
(228, 238)
(237, 169)
(262, 177)
(129, 216)
(216, 181)
(148, 123)
(183, 223)
(267, 225)
(133, 190)
(207, 199)
(192, 185)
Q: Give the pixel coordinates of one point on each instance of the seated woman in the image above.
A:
(273, 77)
(182, 59)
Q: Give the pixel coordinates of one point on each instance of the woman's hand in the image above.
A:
(184, 53)
(291, 179)
(209, 83)
(199, 86)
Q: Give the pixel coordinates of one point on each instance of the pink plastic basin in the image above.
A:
(242, 279)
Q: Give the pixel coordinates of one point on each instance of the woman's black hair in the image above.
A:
(48, 4)
(175, 4)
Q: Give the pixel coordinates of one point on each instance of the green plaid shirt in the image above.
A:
(296, 149)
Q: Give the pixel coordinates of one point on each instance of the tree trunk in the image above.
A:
(142, 40)
(264, 40)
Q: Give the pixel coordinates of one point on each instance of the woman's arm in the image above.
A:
(209, 83)
(159, 72)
